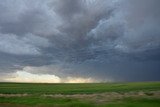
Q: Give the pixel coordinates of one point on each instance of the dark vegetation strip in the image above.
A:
(87, 88)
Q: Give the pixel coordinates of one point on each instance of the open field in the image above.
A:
(142, 94)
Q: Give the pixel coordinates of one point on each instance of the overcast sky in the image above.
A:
(79, 40)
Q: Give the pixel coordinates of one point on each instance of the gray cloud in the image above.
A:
(111, 40)
(27, 45)
(21, 17)
(142, 25)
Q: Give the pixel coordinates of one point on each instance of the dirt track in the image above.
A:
(99, 97)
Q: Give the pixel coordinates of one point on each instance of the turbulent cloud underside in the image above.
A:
(79, 40)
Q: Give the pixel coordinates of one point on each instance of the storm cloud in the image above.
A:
(103, 40)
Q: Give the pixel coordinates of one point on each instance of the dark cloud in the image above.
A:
(109, 40)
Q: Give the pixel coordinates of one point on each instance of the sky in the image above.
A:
(72, 41)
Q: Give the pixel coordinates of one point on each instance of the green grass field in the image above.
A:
(140, 94)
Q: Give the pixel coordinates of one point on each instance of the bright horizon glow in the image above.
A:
(26, 77)
(22, 76)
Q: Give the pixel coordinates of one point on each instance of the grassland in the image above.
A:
(140, 94)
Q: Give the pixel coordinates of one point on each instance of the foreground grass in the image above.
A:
(70, 102)
(143, 94)
(44, 102)
(131, 102)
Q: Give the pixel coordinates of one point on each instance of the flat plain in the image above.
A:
(137, 94)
